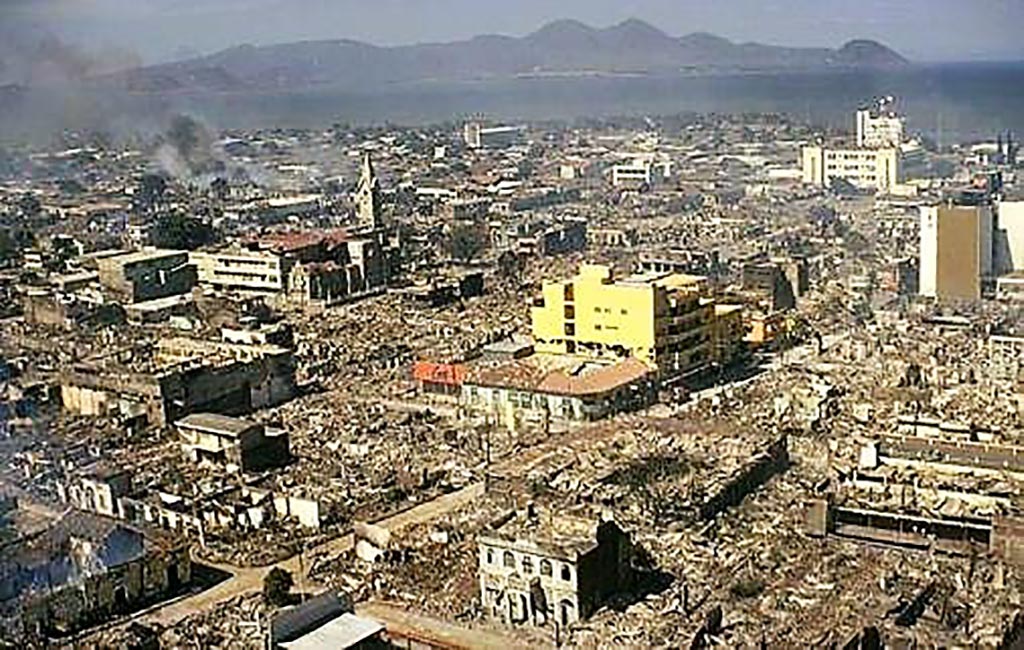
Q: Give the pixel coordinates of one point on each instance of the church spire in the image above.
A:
(368, 196)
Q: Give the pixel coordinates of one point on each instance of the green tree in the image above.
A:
(12, 242)
(152, 188)
(29, 206)
(277, 587)
(467, 242)
(220, 188)
(178, 231)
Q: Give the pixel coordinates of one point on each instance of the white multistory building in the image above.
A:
(477, 136)
(879, 170)
(880, 126)
(642, 170)
(1009, 237)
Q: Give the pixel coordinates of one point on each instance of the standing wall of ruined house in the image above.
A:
(506, 574)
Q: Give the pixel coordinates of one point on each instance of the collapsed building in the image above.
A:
(542, 237)
(930, 485)
(207, 508)
(82, 570)
(156, 385)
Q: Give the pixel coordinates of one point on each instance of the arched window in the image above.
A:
(566, 572)
(490, 556)
(527, 564)
(509, 560)
(545, 567)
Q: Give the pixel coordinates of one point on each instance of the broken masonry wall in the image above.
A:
(766, 465)
(304, 511)
(1007, 541)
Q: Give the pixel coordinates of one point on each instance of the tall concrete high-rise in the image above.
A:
(880, 126)
(956, 250)
(368, 208)
(1009, 237)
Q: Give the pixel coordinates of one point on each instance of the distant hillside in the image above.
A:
(561, 47)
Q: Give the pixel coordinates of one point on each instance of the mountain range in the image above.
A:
(565, 47)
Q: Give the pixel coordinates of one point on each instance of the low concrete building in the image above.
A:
(552, 387)
(233, 442)
(145, 275)
(558, 570)
(180, 376)
(326, 621)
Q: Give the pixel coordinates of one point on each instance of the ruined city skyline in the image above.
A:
(586, 339)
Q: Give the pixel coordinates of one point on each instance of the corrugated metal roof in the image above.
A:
(343, 632)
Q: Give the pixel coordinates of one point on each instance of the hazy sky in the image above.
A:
(923, 30)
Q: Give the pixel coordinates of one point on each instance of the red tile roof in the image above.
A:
(439, 373)
(286, 242)
(528, 375)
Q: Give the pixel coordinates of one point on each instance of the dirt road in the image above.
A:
(248, 581)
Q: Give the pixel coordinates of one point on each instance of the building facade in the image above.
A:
(660, 319)
(478, 136)
(300, 269)
(242, 270)
(556, 572)
(182, 376)
(1009, 237)
(641, 172)
(880, 126)
(526, 390)
(956, 251)
(145, 275)
(223, 440)
(878, 170)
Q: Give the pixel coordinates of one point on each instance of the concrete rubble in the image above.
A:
(842, 460)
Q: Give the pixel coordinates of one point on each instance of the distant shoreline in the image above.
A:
(958, 101)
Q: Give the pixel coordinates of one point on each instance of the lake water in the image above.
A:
(951, 103)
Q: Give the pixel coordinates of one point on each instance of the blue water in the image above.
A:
(951, 103)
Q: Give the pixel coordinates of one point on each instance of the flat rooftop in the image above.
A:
(134, 257)
(215, 423)
(559, 532)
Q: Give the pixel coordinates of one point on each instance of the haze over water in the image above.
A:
(948, 103)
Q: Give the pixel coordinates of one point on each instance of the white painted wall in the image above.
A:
(929, 251)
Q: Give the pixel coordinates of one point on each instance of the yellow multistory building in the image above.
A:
(663, 319)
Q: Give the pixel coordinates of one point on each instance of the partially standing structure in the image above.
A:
(558, 570)
(82, 570)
